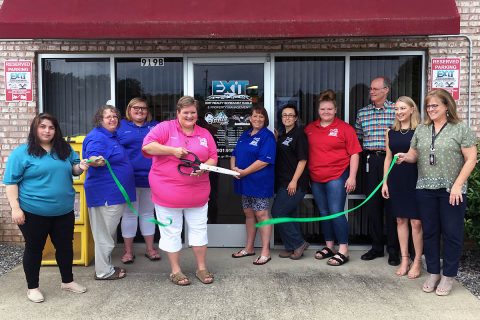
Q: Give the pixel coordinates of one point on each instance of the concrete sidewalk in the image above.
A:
(281, 289)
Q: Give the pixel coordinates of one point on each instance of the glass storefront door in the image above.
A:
(226, 90)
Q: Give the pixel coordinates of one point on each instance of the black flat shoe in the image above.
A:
(393, 259)
(372, 254)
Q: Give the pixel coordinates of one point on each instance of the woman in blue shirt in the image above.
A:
(132, 130)
(38, 180)
(105, 202)
(254, 158)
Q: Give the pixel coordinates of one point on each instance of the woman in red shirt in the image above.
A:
(333, 163)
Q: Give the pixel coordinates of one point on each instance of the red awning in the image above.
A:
(155, 19)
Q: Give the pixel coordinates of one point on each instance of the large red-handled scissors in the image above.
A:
(189, 166)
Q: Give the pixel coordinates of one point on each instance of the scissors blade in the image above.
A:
(207, 167)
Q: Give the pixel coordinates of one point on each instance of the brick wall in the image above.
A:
(15, 117)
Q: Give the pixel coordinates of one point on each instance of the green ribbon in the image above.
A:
(331, 216)
(127, 198)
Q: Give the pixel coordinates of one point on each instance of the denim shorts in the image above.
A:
(257, 204)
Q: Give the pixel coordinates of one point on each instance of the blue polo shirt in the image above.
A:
(100, 188)
(44, 183)
(131, 137)
(261, 146)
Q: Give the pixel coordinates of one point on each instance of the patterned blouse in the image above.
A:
(448, 155)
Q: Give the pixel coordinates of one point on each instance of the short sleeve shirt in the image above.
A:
(170, 188)
(131, 137)
(292, 147)
(44, 183)
(448, 153)
(261, 146)
(330, 149)
(372, 123)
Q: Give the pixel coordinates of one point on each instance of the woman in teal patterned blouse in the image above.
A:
(445, 150)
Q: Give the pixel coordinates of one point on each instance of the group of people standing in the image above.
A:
(425, 189)
(435, 159)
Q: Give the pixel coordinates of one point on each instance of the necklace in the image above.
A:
(404, 131)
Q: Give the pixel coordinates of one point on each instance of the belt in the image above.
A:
(375, 152)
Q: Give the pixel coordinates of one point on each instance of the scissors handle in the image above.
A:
(188, 163)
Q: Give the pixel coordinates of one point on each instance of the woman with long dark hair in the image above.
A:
(39, 189)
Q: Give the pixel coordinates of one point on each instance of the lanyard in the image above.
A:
(434, 136)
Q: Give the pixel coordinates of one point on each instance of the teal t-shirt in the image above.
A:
(44, 183)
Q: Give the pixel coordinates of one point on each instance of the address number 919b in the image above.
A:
(152, 62)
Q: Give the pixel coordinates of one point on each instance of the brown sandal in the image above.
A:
(203, 275)
(119, 273)
(179, 279)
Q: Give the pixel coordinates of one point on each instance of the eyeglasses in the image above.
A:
(288, 115)
(431, 106)
(111, 117)
(376, 89)
(136, 108)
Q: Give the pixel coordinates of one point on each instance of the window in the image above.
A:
(405, 72)
(162, 86)
(72, 91)
(299, 80)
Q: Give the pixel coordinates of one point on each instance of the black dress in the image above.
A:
(402, 179)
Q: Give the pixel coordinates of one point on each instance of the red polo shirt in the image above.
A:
(330, 149)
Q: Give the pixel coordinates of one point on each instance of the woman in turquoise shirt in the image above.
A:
(39, 189)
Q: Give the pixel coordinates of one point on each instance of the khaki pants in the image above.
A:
(104, 222)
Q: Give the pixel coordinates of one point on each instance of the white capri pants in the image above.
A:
(144, 207)
(171, 236)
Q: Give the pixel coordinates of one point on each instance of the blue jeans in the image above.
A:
(441, 220)
(330, 198)
(287, 206)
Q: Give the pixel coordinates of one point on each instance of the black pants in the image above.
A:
(376, 208)
(35, 231)
(441, 221)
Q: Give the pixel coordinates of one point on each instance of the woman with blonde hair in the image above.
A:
(130, 134)
(400, 185)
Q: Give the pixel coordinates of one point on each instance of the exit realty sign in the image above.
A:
(446, 75)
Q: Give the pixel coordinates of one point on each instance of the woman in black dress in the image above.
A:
(399, 188)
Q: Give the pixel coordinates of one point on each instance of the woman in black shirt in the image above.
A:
(291, 182)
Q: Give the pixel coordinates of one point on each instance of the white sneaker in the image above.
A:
(73, 287)
(35, 295)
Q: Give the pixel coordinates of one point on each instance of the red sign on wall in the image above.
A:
(18, 78)
(446, 75)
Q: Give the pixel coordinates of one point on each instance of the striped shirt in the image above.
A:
(372, 123)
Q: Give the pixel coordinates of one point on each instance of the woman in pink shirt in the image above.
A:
(177, 196)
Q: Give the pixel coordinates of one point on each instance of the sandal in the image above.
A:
(445, 286)
(415, 269)
(326, 252)
(128, 258)
(339, 260)
(242, 253)
(403, 269)
(153, 257)
(261, 260)
(431, 283)
(204, 276)
(179, 279)
(119, 273)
